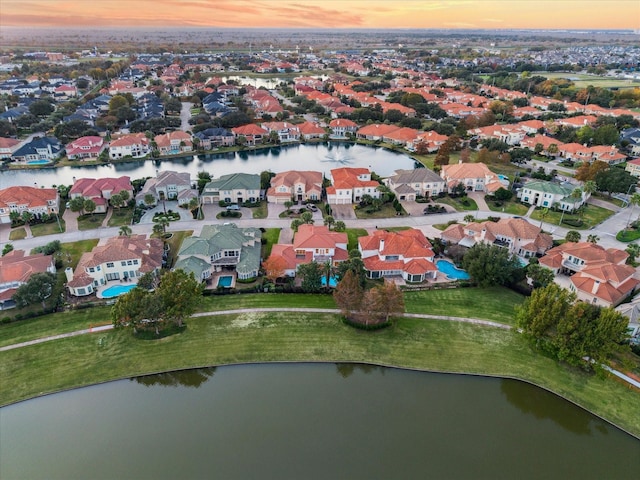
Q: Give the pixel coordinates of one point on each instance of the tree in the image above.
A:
(573, 236)
(76, 204)
(148, 281)
(540, 312)
(306, 217)
(274, 268)
(593, 238)
(125, 231)
(37, 289)
(469, 218)
(492, 265)
(615, 180)
(26, 217)
(162, 221)
(383, 301)
(41, 108)
(329, 221)
(116, 200)
(339, 226)
(89, 206)
(124, 195)
(7, 248)
(311, 274)
(137, 309)
(633, 249)
(348, 295)
(149, 199)
(180, 294)
(288, 204)
(116, 103)
(589, 171)
(540, 276)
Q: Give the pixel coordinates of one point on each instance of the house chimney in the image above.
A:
(68, 273)
(381, 245)
(596, 286)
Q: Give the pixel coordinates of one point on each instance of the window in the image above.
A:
(129, 262)
(109, 264)
(91, 269)
(135, 262)
(123, 263)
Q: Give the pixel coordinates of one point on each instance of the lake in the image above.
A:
(319, 157)
(310, 421)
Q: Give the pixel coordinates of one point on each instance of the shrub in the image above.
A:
(573, 222)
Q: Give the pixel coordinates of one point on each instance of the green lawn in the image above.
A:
(52, 228)
(414, 343)
(175, 242)
(514, 208)
(120, 217)
(459, 203)
(271, 236)
(627, 236)
(261, 210)
(18, 233)
(386, 211)
(488, 303)
(352, 237)
(90, 222)
(74, 250)
(591, 216)
(583, 80)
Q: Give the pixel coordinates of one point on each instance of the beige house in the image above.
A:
(349, 186)
(296, 186)
(408, 184)
(476, 177)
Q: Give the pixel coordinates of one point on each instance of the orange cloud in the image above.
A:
(581, 14)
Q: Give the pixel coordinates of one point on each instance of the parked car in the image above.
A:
(312, 207)
(233, 207)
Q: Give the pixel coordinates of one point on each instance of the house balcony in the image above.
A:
(502, 243)
(572, 266)
(226, 262)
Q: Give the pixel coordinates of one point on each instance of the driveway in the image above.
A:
(343, 212)
(172, 205)
(274, 210)
(70, 220)
(185, 116)
(478, 197)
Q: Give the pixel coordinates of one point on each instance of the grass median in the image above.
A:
(265, 337)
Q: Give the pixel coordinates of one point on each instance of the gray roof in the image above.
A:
(234, 181)
(194, 265)
(417, 175)
(549, 187)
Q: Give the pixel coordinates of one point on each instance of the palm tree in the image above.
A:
(588, 188)
(149, 199)
(593, 238)
(162, 221)
(125, 231)
(543, 214)
(469, 218)
(633, 201)
(329, 221)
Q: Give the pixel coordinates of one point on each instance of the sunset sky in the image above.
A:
(491, 14)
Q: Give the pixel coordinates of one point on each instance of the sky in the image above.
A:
(484, 14)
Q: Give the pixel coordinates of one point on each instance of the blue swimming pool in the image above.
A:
(333, 281)
(117, 290)
(38, 162)
(225, 281)
(451, 271)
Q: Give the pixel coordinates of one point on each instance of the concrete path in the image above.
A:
(478, 197)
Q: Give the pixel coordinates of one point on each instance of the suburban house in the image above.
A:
(36, 201)
(16, 268)
(631, 310)
(549, 194)
(232, 188)
(168, 185)
(310, 130)
(408, 184)
(100, 190)
(407, 253)
(476, 177)
(133, 145)
(296, 186)
(544, 141)
(85, 147)
(375, 131)
(340, 127)
(287, 132)
(312, 243)
(222, 248)
(214, 138)
(519, 236)
(350, 184)
(8, 146)
(633, 167)
(597, 275)
(172, 143)
(41, 149)
(429, 141)
(631, 137)
(119, 259)
(252, 134)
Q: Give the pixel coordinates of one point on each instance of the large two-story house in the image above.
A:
(133, 145)
(101, 190)
(119, 259)
(168, 185)
(294, 185)
(16, 268)
(407, 253)
(409, 184)
(476, 177)
(312, 244)
(36, 201)
(549, 194)
(83, 148)
(41, 149)
(597, 275)
(519, 236)
(172, 143)
(350, 184)
(232, 188)
(222, 248)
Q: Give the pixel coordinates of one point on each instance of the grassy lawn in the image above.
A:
(396, 229)
(352, 237)
(271, 235)
(583, 80)
(386, 211)
(422, 344)
(73, 251)
(90, 222)
(591, 216)
(52, 228)
(488, 303)
(459, 203)
(261, 210)
(18, 233)
(514, 208)
(120, 217)
(219, 216)
(627, 236)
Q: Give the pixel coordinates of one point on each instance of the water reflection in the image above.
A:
(346, 369)
(545, 405)
(180, 378)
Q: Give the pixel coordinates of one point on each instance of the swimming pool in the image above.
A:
(117, 290)
(225, 281)
(451, 271)
(333, 281)
(38, 162)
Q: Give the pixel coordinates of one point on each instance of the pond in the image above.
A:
(320, 157)
(310, 421)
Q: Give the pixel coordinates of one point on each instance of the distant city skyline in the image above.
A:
(447, 14)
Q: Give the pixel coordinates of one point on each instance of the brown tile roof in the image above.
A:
(18, 267)
(312, 236)
(30, 196)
